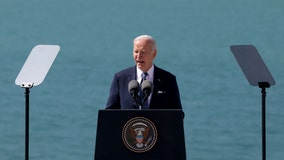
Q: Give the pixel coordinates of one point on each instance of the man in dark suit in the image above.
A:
(165, 93)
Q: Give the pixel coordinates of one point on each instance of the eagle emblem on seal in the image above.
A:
(139, 134)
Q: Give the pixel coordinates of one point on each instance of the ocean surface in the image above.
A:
(222, 111)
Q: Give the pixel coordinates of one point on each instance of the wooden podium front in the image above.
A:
(140, 135)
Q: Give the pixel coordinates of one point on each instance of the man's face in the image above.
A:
(144, 54)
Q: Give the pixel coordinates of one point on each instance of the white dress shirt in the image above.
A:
(150, 77)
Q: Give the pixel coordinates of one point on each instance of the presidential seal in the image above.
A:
(139, 134)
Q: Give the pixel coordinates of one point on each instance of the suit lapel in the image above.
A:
(157, 82)
(132, 74)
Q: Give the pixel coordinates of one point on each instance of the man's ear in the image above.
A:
(155, 53)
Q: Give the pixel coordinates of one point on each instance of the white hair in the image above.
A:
(147, 37)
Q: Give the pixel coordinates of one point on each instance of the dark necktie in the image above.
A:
(144, 76)
(145, 104)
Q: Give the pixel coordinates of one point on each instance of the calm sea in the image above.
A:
(223, 112)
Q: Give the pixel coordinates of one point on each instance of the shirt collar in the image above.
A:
(150, 73)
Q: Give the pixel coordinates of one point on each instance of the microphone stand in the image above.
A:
(145, 98)
(137, 99)
(138, 102)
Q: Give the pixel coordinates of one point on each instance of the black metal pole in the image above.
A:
(263, 124)
(263, 86)
(27, 124)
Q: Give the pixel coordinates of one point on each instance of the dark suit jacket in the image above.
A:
(165, 93)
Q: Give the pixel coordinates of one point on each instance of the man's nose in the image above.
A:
(139, 54)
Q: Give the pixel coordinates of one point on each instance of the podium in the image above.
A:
(140, 135)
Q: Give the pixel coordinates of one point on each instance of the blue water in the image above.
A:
(223, 112)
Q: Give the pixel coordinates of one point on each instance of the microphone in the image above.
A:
(133, 88)
(146, 88)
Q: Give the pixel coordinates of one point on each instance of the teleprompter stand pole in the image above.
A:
(27, 125)
(27, 97)
(263, 86)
